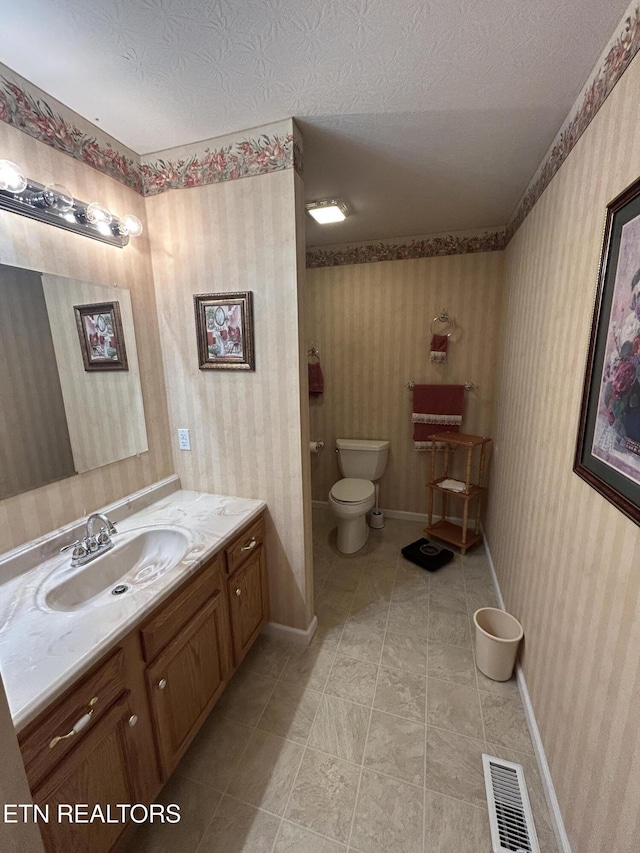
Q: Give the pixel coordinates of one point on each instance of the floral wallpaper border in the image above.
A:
(24, 107)
(252, 156)
(417, 247)
(618, 58)
(34, 116)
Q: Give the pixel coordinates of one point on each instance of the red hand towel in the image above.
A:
(436, 408)
(439, 347)
(316, 380)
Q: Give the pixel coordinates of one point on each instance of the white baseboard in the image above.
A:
(294, 635)
(391, 513)
(560, 832)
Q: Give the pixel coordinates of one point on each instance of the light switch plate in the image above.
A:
(184, 439)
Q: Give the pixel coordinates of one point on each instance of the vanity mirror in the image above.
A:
(58, 419)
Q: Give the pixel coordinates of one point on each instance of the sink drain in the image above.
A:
(120, 589)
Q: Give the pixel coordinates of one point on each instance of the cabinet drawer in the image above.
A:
(245, 545)
(177, 611)
(40, 752)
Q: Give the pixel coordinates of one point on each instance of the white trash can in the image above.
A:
(497, 636)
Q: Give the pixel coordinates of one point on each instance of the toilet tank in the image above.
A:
(362, 459)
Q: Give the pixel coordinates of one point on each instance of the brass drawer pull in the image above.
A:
(238, 591)
(250, 545)
(84, 721)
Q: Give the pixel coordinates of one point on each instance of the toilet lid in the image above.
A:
(351, 490)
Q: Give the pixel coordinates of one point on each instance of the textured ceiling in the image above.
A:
(424, 115)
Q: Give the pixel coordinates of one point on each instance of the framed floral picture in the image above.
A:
(101, 337)
(608, 443)
(224, 328)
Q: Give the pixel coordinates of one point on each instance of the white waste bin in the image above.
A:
(497, 636)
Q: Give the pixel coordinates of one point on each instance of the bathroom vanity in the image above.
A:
(130, 710)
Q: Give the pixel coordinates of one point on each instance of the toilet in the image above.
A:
(362, 462)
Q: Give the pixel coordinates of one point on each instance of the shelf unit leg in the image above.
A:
(465, 520)
(432, 476)
(467, 474)
(482, 466)
(481, 477)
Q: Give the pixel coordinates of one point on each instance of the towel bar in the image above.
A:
(468, 386)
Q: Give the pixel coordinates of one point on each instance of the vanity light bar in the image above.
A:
(53, 204)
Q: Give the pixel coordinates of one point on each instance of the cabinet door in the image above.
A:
(100, 770)
(186, 680)
(248, 603)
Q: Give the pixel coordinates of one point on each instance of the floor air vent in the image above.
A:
(510, 817)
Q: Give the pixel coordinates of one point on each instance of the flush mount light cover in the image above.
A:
(327, 210)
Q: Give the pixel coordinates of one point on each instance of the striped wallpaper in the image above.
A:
(26, 243)
(569, 562)
(247, 428)
(371, 325)
(35, 447)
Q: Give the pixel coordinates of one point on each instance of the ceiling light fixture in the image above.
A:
(54, 204)
(327, 210)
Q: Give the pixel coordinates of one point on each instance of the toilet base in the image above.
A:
(352, 534)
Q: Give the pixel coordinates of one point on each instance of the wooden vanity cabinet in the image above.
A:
(147, 697)
(186, 679)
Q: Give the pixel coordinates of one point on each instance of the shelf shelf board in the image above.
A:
(473, 489)
(460, 438)
(450, 532)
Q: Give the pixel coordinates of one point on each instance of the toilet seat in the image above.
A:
(352, 491)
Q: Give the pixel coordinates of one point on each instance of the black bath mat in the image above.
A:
(427, 555)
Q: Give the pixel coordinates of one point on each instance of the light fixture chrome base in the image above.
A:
(30, 202)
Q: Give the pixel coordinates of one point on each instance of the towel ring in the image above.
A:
(313, 353)
(449, 322)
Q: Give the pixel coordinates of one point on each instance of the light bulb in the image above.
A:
(57, 197)
(130, 225)
(11, 177)
(98, 214)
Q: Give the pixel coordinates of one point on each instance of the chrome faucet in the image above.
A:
(87, 549)
(108, 526)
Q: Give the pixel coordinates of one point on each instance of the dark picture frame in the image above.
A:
(608, 442)
(101, 336)
(224, 329)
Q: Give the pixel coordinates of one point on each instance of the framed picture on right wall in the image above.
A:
(608, 443)
(224, 329)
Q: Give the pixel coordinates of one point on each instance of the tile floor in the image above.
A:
(368, 740)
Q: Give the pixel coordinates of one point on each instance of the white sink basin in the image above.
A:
(136, 560)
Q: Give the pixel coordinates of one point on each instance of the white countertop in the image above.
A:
(43, 651)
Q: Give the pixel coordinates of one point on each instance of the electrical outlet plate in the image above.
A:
(184, 439)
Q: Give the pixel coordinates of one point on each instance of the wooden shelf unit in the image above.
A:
(474, 488)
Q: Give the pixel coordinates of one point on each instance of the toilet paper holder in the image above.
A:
(316, 446)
